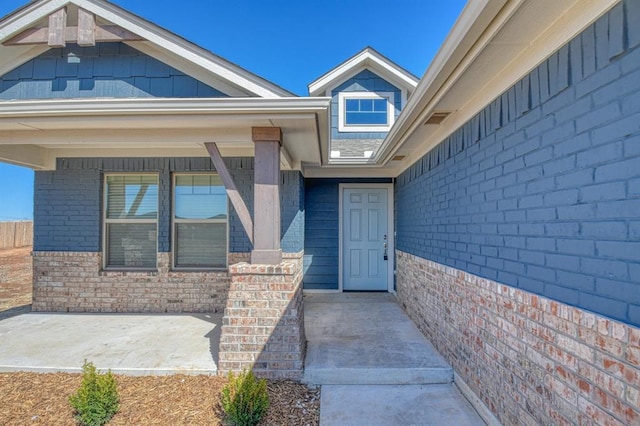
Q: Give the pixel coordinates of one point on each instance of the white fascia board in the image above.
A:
(85, 107)
(25, 17)
(365, 59)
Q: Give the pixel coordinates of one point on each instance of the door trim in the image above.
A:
(390, 234)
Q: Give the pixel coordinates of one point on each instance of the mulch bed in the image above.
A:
(32, 399)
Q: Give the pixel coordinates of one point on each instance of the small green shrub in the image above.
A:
(245, 399)
(96, 401)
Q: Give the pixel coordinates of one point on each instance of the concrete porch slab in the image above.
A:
(366, 338)
(386, 405)
(133, 344)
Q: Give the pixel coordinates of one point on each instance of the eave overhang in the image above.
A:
(493, 44)
(34, 133)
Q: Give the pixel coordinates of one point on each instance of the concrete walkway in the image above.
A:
(375, 367)
(126, 344)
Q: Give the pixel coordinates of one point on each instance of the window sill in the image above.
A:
(198, 270)
(128, 271)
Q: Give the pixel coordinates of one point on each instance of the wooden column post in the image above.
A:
(266, 201)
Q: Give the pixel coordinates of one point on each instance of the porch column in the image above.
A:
(266, 201)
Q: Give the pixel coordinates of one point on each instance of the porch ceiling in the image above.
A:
(34, 133)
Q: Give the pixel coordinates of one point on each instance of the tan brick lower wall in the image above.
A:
(15, 265)
(75, 282)
(531, 360)
(263, 324)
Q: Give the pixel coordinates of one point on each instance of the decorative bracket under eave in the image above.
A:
(58, 34)
(232, 190)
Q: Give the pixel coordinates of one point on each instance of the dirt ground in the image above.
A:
(42, 399)
(15, 295)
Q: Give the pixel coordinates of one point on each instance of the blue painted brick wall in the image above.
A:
(111, 70)
(321, 236)
(67, 210)
(364, 81)
(541, 189)
(68, 201)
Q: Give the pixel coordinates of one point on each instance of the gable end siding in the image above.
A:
(540, 190)
(107, 70)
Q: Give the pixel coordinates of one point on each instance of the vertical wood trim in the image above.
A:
(232, 191)
(86, 28)
(57, 28)
(266, 195)
(266, 198)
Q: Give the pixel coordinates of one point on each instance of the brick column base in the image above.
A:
(263, 324)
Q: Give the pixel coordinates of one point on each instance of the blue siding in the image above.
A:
(540, 190)
(321, 236)
(108, 70)
(364, 81)
(68, 201)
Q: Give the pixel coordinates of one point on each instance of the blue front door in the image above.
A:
(364, 238)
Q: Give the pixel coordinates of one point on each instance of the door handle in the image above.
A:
(386, 256)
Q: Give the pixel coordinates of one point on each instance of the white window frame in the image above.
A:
(106, 221)
(342, 99)
(175, 221)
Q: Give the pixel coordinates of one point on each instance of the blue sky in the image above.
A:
(289, 42)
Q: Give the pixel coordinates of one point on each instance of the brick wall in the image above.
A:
(540, 190)
(530, 359)
(112, 70)
(75, 282)
(263, 323)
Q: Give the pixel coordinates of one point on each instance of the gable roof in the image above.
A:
(367, 58)
(155, 41)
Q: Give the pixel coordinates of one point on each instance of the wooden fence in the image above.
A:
(16, 234)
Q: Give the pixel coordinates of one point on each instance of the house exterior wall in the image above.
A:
(517, 237)
(68, 227)
(321, 231)
(113, 70)
(354, 144)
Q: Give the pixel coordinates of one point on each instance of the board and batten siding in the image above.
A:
(321, 231)
(68, 201)
(541, 189)
(106, 70)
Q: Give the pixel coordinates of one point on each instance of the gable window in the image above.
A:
(131, 221)
(365, 111)
(199, 221)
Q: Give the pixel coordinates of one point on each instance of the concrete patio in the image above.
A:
(133, 344)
